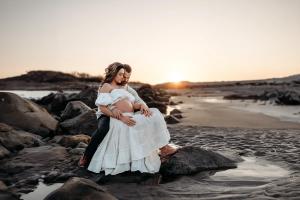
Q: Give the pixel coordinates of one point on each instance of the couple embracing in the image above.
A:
(125, 140)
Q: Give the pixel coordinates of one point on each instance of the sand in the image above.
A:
(215, 112)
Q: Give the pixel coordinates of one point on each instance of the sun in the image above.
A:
(175, 77)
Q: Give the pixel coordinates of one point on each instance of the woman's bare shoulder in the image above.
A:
(105, 88)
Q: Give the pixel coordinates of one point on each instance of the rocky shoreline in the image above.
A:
(42, 140)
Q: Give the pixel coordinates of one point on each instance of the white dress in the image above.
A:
(130, 148)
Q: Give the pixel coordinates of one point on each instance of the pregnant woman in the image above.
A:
(133, 141)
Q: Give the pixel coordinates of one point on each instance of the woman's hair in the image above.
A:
(111, 72)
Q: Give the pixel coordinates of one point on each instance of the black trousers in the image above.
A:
(97, 137)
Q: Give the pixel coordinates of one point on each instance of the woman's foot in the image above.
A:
(167, 151)
(82, 162)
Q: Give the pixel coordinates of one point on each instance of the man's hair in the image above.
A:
(127, 68)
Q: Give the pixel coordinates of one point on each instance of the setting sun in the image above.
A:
(175, 77)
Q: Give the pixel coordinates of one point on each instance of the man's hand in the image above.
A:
(127, 120)
(116, 113)
(145, 110)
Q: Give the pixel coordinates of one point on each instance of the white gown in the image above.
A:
(130, 148)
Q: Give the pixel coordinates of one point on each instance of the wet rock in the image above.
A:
(80, 189)
(189, 160)
(26, 115)
(24, 169)
(85, 123)
(73, 109)
(175, 111)
(12, 140)
(178, 116)
(171, 119)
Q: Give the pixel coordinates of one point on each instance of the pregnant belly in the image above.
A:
(124, 105)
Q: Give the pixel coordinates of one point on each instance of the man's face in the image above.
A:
(126, 78)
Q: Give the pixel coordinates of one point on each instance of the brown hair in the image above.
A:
(127, 68)
(111, 72)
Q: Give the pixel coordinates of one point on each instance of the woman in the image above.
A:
(134, 140)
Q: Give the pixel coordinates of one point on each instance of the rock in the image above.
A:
(189, 160)
(162, 107)
(178, 116)
(88, 96)
(54, 102)
(5, 195)
(71, 141)
(86, 123)
(2, 186)
(175, 111)
(172, 103)
(26, 115)
(73, 109)
(12, 140)
(30, 164)
(80, 189)
(77, 151)
(171, 119)
(82, 145)
(3, 152)
(155, 98)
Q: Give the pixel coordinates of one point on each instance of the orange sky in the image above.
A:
(195, 40)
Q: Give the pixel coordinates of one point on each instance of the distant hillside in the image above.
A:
(53, 76)
(49, 80)
(294, 79)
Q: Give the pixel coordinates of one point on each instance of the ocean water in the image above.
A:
(36, 94)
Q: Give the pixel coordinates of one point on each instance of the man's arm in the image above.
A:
(138, 99)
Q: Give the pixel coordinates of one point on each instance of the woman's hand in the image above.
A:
(127, 120)
(145, 110)
(116, 113)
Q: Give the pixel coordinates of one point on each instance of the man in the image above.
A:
(103, 117)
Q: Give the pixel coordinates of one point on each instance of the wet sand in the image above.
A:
(223, 113)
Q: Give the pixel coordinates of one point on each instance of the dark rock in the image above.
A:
(86, 123)
(80, 189)
(88, 96)
(5, 195)
(171, 119)
(175, 111)
(178, 116)
(26, 115)
(153, 97)
(190, 160)
(12, 140)
(73, 109)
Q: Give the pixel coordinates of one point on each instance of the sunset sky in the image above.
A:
(163, 40)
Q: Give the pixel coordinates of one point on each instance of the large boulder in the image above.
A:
(73, 109)
(80, 189)
(88, 96)
(26, 115)
(189, 160)
(156, 98)
(12, 140)
(86, 123)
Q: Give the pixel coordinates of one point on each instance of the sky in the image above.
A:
(163, 40)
